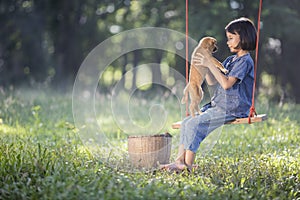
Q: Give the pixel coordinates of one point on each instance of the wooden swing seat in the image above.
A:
(257, 118)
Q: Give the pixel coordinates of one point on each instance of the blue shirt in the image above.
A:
(237, 100)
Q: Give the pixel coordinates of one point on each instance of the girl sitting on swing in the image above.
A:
(231, 99)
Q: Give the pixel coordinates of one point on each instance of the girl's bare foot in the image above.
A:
(178, 167)
(174, 167)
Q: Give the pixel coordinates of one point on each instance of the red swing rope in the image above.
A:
(252, 111)
(186, 49)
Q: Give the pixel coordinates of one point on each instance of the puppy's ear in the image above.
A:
(213, 42)
(206, 44)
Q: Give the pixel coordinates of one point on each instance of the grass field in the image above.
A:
(42, 157)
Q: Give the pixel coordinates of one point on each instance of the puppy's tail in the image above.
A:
(184, 100)
(185, 97)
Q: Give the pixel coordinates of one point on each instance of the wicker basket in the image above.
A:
(148, 151)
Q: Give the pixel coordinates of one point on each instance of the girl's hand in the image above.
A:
(200, 59)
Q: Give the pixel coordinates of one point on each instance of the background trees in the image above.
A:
(46, 41)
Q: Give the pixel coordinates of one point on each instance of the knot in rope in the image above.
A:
(251, 113)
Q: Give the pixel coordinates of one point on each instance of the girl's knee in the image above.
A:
(192, 123)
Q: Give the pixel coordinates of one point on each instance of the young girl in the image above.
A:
(231, 99)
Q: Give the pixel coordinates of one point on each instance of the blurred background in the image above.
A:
(44, 42)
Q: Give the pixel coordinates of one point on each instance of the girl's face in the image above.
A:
(233, 42)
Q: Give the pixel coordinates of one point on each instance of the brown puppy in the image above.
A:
(206, 47)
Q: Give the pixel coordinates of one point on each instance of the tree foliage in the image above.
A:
(46, 41)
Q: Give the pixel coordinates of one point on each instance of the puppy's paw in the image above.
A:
(199, 112)
(225, 71)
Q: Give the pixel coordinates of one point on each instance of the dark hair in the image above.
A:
(247, 31)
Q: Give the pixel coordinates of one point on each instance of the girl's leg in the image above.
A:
(184, 160)
(198, 128)
(193, 132)
(181, 151)
(181, 155)
(179, 163)
(189, 158)
(189, 135)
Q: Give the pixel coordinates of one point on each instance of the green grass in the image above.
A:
(42, 157)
